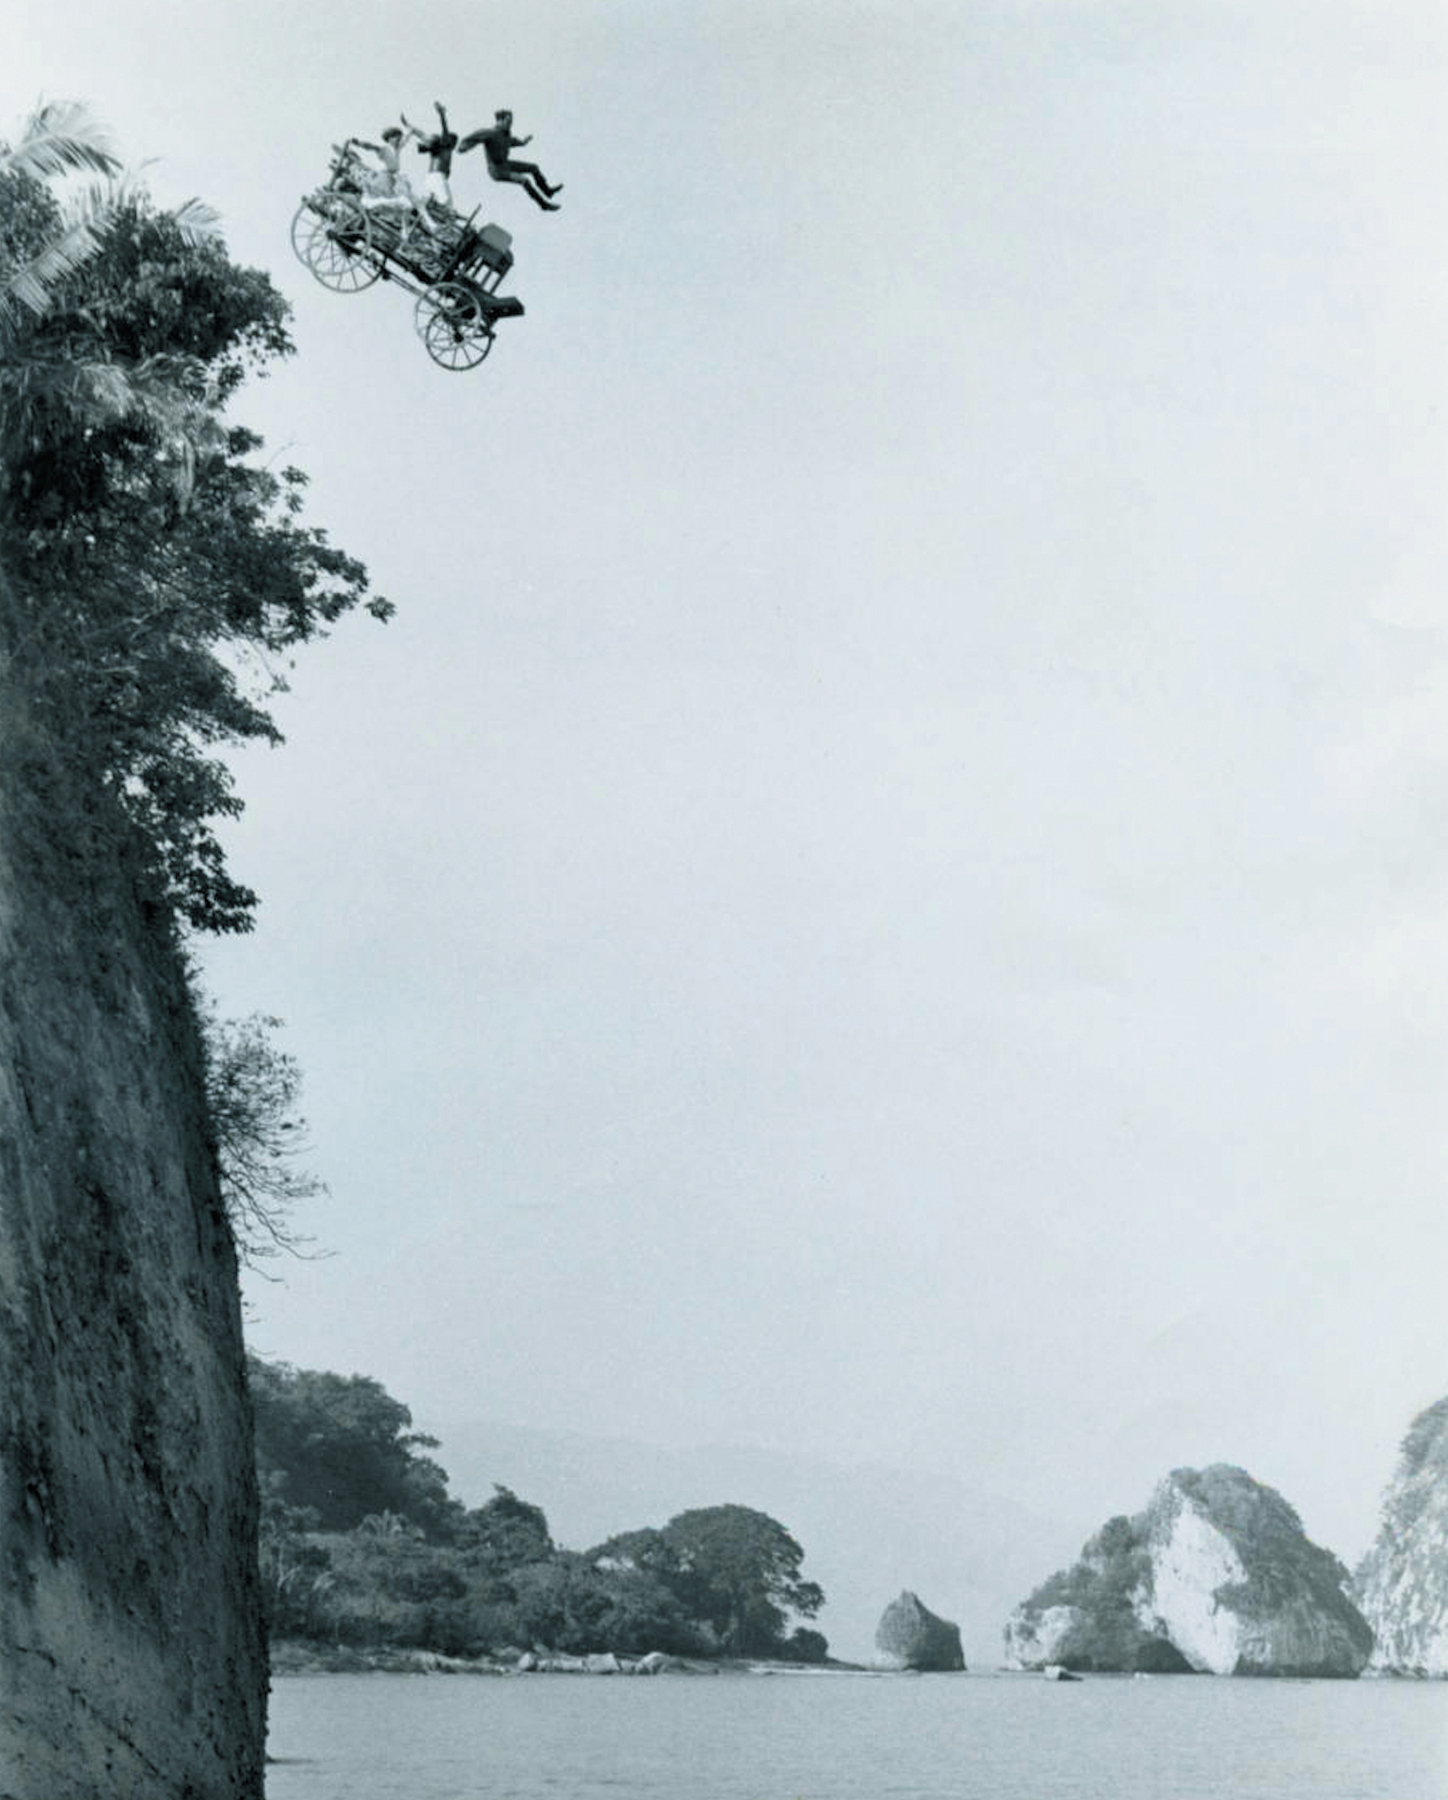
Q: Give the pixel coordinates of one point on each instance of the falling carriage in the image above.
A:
(350, 235)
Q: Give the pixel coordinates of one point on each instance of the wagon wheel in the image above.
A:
(333, 237)
(452, 325)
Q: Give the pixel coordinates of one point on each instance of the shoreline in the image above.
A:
(297, 1657)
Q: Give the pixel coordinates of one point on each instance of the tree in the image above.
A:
(503, 1534)
(252, 1091)
(569, 1603)
(739, 1571)
(296, 1572)
(157, 578)
(807, 1646)
(647, 1550)
(341, 1445)
(43, 243)
(37, 248)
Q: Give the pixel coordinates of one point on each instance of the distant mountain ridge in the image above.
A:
(868, 1530)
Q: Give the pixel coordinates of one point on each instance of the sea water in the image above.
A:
(854, 1737)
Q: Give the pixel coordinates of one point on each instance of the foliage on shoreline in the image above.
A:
(363, 1546)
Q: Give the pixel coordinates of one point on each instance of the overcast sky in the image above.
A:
(886, 891)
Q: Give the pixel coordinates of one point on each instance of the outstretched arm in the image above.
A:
(442, 115)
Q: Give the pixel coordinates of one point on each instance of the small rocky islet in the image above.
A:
(910, 1636)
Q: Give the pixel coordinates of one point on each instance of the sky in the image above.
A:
(884, 896)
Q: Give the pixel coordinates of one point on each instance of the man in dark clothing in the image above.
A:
(439, 151)
(497, 140)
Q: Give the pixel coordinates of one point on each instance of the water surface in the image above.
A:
(854, 1737)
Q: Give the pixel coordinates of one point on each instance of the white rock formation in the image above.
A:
(1402, 1586)
(1192, 1562)
(1214, 1576)
(1037, 1641)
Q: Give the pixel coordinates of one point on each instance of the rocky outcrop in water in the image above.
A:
(1402, 1583)
(132, 1664)
(1215, 1576)
(910, 1636)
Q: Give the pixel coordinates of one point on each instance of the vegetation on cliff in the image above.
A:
(1215, 1573)
(155, 577)
(253, 1091)
(1402, 1582)
(363, 1545)
(1103, 1589)
(156, 574)
(1282, 1564)
(151, 574)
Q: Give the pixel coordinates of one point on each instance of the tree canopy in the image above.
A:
(733, 1569)
(741, 1572)
(157, 575)
(340, 1447)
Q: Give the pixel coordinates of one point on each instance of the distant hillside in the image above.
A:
(869, 1530)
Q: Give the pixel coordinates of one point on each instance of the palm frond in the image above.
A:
(87, 212)
(32, 285)
(171, 394)
(198, 222)
(60, 139)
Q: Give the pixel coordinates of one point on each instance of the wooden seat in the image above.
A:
(492, 247)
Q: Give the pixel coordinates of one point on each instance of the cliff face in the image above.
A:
(1402, 1585)
(1214, 1576)
(132, 1662)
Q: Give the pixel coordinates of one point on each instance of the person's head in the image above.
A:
(503, 116)
(393, 134)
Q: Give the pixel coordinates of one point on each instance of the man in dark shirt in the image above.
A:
(439, 151)
(497, 140)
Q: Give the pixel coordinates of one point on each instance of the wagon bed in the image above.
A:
(453, 274)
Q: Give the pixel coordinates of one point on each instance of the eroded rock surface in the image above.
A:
(132, 1664)
(910, 1636)
(1215, 1576)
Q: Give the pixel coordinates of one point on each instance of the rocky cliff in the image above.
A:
(132, 1662)
(910, 1636)
(1215, 1576)
(1402, 1584)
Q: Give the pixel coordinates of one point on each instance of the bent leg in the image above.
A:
(531, 172)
